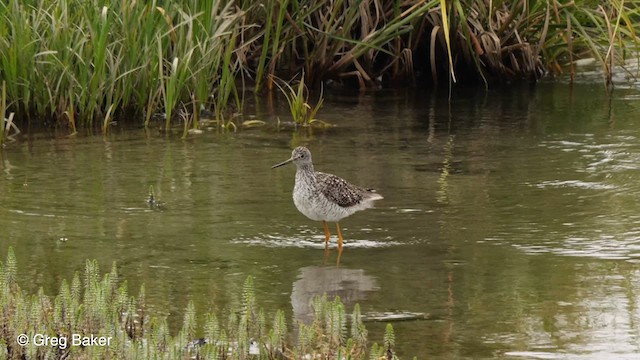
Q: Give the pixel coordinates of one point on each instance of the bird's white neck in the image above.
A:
(305, 176)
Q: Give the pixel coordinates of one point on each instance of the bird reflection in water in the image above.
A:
(351, 285)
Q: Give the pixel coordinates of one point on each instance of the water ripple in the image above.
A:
(615, 153)
(605, 247)
(575, 184)
(536, 355)
(30, 213)
(315, 242)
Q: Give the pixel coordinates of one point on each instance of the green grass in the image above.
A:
(84, 63)
(97, 59)
(8, 129)
(298, 99)
(92, 303)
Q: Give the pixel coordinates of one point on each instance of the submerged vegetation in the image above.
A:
(103, 307)
(86, 62)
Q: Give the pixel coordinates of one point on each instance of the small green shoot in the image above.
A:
(298, 99)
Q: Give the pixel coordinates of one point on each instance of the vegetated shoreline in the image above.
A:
(86, 63)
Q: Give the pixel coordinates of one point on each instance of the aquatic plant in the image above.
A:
(298, 100)
(102, 305)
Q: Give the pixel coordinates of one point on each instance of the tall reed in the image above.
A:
(3, 107)
(141, 58)
(86, 57)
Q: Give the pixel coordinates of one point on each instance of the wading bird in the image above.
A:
(326, 197)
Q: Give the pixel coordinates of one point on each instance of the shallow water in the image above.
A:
(510, 217)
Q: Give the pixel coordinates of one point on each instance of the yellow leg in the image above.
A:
(339, 243)
(326, 241)
(326, 235)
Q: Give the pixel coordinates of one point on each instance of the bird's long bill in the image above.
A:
(282, 163)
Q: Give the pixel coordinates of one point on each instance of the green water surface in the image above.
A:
(511, 217)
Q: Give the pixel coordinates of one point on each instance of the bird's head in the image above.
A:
(299, 156)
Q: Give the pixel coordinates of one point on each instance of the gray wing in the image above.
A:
(339, 190)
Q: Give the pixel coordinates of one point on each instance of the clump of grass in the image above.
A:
(298, 99)
(102, 305)
(91, 60)
(510, 40)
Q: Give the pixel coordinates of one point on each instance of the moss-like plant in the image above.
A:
(101, 305)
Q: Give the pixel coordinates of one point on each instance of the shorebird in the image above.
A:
(326, 197)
